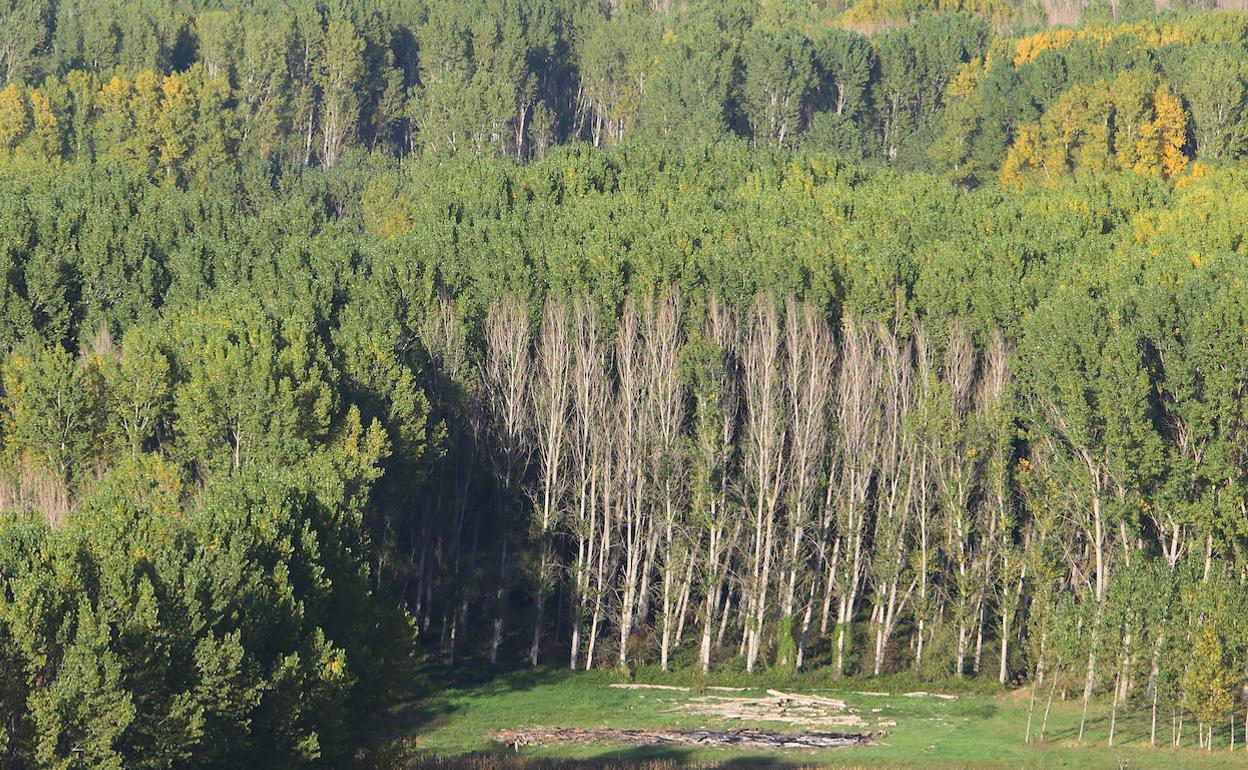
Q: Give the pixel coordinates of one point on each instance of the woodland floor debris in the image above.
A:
(745, 737)
(793, 709)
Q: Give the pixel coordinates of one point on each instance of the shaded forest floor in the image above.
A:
(454, 726)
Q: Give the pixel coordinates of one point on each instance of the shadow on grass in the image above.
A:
(638, 758)
(430, 703)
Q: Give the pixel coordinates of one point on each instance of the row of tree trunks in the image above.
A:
(748, 475)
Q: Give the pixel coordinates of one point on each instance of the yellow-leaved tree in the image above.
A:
(1132, 122)
(1205, 686)
(13, 116)
(175, 122)
(1162, 139)
(48, 132)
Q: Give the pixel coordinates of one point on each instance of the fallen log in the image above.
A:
(811, 700)
(921, 694)
(626, 686)
(750, 738)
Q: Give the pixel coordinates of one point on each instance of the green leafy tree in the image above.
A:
(339, 78)
(50, 407)
(1206, 683)
(1215, 86)
(778, 77)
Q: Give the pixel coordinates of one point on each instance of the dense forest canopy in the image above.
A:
(870, 338)
(183, 89)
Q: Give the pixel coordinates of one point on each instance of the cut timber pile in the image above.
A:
(790, 708)
(741, 738)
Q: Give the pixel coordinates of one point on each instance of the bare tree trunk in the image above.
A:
(896, 477)
(506, 380)
(763, 458)
(589, 410)
(665, 399)
(1044, 726)
(1113, 709)
(1152, 730)
(604, 555)
(1031, 701)
(686, 587)
(551, 429)
(629, 451)
(809, 357)
(857, 455)
(715, 399)
(1091, 674)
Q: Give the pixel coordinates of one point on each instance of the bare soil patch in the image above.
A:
(746, 737)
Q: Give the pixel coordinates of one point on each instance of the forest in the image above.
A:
(864, 338)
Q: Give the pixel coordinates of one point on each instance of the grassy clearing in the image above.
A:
(979, 729)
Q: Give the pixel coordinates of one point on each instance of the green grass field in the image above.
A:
(979, 729)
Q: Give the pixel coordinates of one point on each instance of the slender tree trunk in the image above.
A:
(1031, 701)
(1113, 709)
(1152, 731)
(1087, 685)
(1044, 726)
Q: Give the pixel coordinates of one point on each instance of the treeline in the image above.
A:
(618, 399)
(763, 483)
(221, 94)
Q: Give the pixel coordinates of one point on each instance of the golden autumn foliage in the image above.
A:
(48, 129)
(13, 115)
(1160, 147)
(1028, 48)
(874, 15)
(1146, 35)
(41, 108)
(179, 124)
(1023, 156)
(115, 121)
(967, 80)
(144, 111)
(174, 121)
(1133, 122)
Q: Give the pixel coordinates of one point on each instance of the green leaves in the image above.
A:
(50, 402)
(779, 74)
(251, 388)
(134, 636)
(1215, 85)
